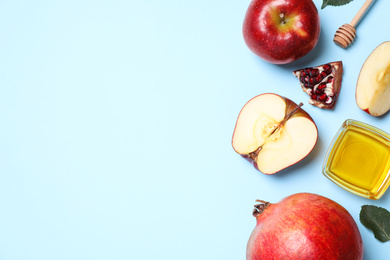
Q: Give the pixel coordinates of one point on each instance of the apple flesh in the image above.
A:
(304, 226)
(273, 133)
(373, 85)
(281, 32)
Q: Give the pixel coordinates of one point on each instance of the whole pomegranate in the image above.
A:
(304, 226)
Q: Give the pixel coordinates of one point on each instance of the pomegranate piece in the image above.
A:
(322, 83)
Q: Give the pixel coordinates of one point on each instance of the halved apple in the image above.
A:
(273, 133)
(373, 85)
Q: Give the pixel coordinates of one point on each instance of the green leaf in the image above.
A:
(376, 219)
(334, 3)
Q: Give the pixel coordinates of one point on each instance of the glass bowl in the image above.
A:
(358, 159)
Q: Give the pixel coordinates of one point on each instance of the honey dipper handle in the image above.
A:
(360, 13)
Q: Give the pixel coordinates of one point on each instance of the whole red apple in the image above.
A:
(304, 226)
(281, 31)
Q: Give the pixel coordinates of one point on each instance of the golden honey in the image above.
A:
(358, 159)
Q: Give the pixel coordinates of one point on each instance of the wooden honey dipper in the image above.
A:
(345, 35)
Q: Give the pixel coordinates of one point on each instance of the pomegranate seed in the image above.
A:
(314, 72)
(312, 80)
(303, 74)
(330, 79)
(324, 74)
(318, 91)
(327, 68)
(307, 71)
(322, 97)
(318, 78)
(314, 97)
(322, 86)
(306, 79)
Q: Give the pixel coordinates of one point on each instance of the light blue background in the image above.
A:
(116, 125)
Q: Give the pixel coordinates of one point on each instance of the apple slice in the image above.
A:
(322, 83)
(273, 133)
(373, 85)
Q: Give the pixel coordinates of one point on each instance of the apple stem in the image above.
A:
(287, 117)
(259, 208)
(292, 112)
(282, 18)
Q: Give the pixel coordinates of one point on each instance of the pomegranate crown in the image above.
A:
(259, 208)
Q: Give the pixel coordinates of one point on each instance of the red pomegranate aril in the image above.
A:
(306, 79)
(314, 72)
(314, 96)
(330, 79)
(322, 97)
(318, 78)
(322, 86)
(327, 68)
(324, 74)
(312, 81)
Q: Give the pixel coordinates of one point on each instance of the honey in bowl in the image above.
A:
(358, 159)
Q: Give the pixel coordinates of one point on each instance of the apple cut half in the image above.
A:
(273, 133)
(373, 85)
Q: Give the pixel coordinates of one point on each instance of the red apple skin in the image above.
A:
(278, 41)
(305, 226)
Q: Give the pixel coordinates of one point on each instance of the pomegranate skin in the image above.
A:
(304, 226)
